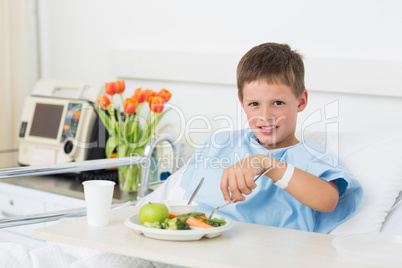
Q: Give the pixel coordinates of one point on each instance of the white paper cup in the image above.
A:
(98, 199)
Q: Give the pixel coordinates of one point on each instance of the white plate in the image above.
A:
(380, 249)
(133, 222)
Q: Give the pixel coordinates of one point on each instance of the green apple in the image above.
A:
(152, 212)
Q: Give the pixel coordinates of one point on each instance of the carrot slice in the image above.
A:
(200, 219)
(198, 223)
(171, 216)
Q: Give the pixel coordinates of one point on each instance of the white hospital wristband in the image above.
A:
(284, 181)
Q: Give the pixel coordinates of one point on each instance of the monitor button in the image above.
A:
(68, 147)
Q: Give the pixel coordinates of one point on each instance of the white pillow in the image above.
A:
(375, 160)
(393, 221)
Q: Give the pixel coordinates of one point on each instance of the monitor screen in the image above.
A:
(46, 120)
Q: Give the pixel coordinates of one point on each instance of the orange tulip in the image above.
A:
(110, 88)
(156, 104)
(140, 95)
(104, 102)
(165, 95)
(144, 95)
(115, 87)
(136, 93)
(130, 105)
(150, 93)
(120, 86)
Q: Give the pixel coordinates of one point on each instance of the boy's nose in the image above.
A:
(267, 114)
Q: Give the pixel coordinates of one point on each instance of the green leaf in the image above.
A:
(159, 116)
(135, 151)
(129, 129)
(105, 119)
(147, 132)
(120, 125)
(146, 135)
(122, 150)
(111, 145)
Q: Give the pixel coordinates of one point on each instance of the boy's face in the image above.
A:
(271, 111)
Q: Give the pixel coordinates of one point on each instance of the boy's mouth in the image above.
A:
(267, 129)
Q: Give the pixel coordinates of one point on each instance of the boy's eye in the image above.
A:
(278, 103)
(253, 104)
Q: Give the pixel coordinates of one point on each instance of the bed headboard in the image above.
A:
(356, 94)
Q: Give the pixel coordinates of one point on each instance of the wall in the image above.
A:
(78, 37)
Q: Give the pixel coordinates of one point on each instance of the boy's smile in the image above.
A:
(271, 111)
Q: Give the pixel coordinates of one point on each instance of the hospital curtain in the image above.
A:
(16, 72)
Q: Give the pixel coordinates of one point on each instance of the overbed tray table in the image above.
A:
(244, 245)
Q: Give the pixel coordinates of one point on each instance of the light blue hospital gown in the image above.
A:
(268, 204)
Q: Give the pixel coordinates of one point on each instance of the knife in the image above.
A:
(195, 191)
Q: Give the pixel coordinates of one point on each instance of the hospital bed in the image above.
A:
(358, 116)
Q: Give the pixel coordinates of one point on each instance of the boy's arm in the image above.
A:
(238, 180)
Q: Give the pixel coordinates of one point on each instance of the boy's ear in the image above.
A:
(302, 101)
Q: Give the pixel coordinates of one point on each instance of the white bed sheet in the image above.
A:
(58, 255)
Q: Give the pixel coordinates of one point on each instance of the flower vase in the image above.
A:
(127, 137)
(129, 178)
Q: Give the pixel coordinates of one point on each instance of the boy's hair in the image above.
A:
(274, 63)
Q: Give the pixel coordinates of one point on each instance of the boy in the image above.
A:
(301, 191)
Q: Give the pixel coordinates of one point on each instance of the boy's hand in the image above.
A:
(238, 179)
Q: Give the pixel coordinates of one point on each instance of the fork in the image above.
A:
(222, 206)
